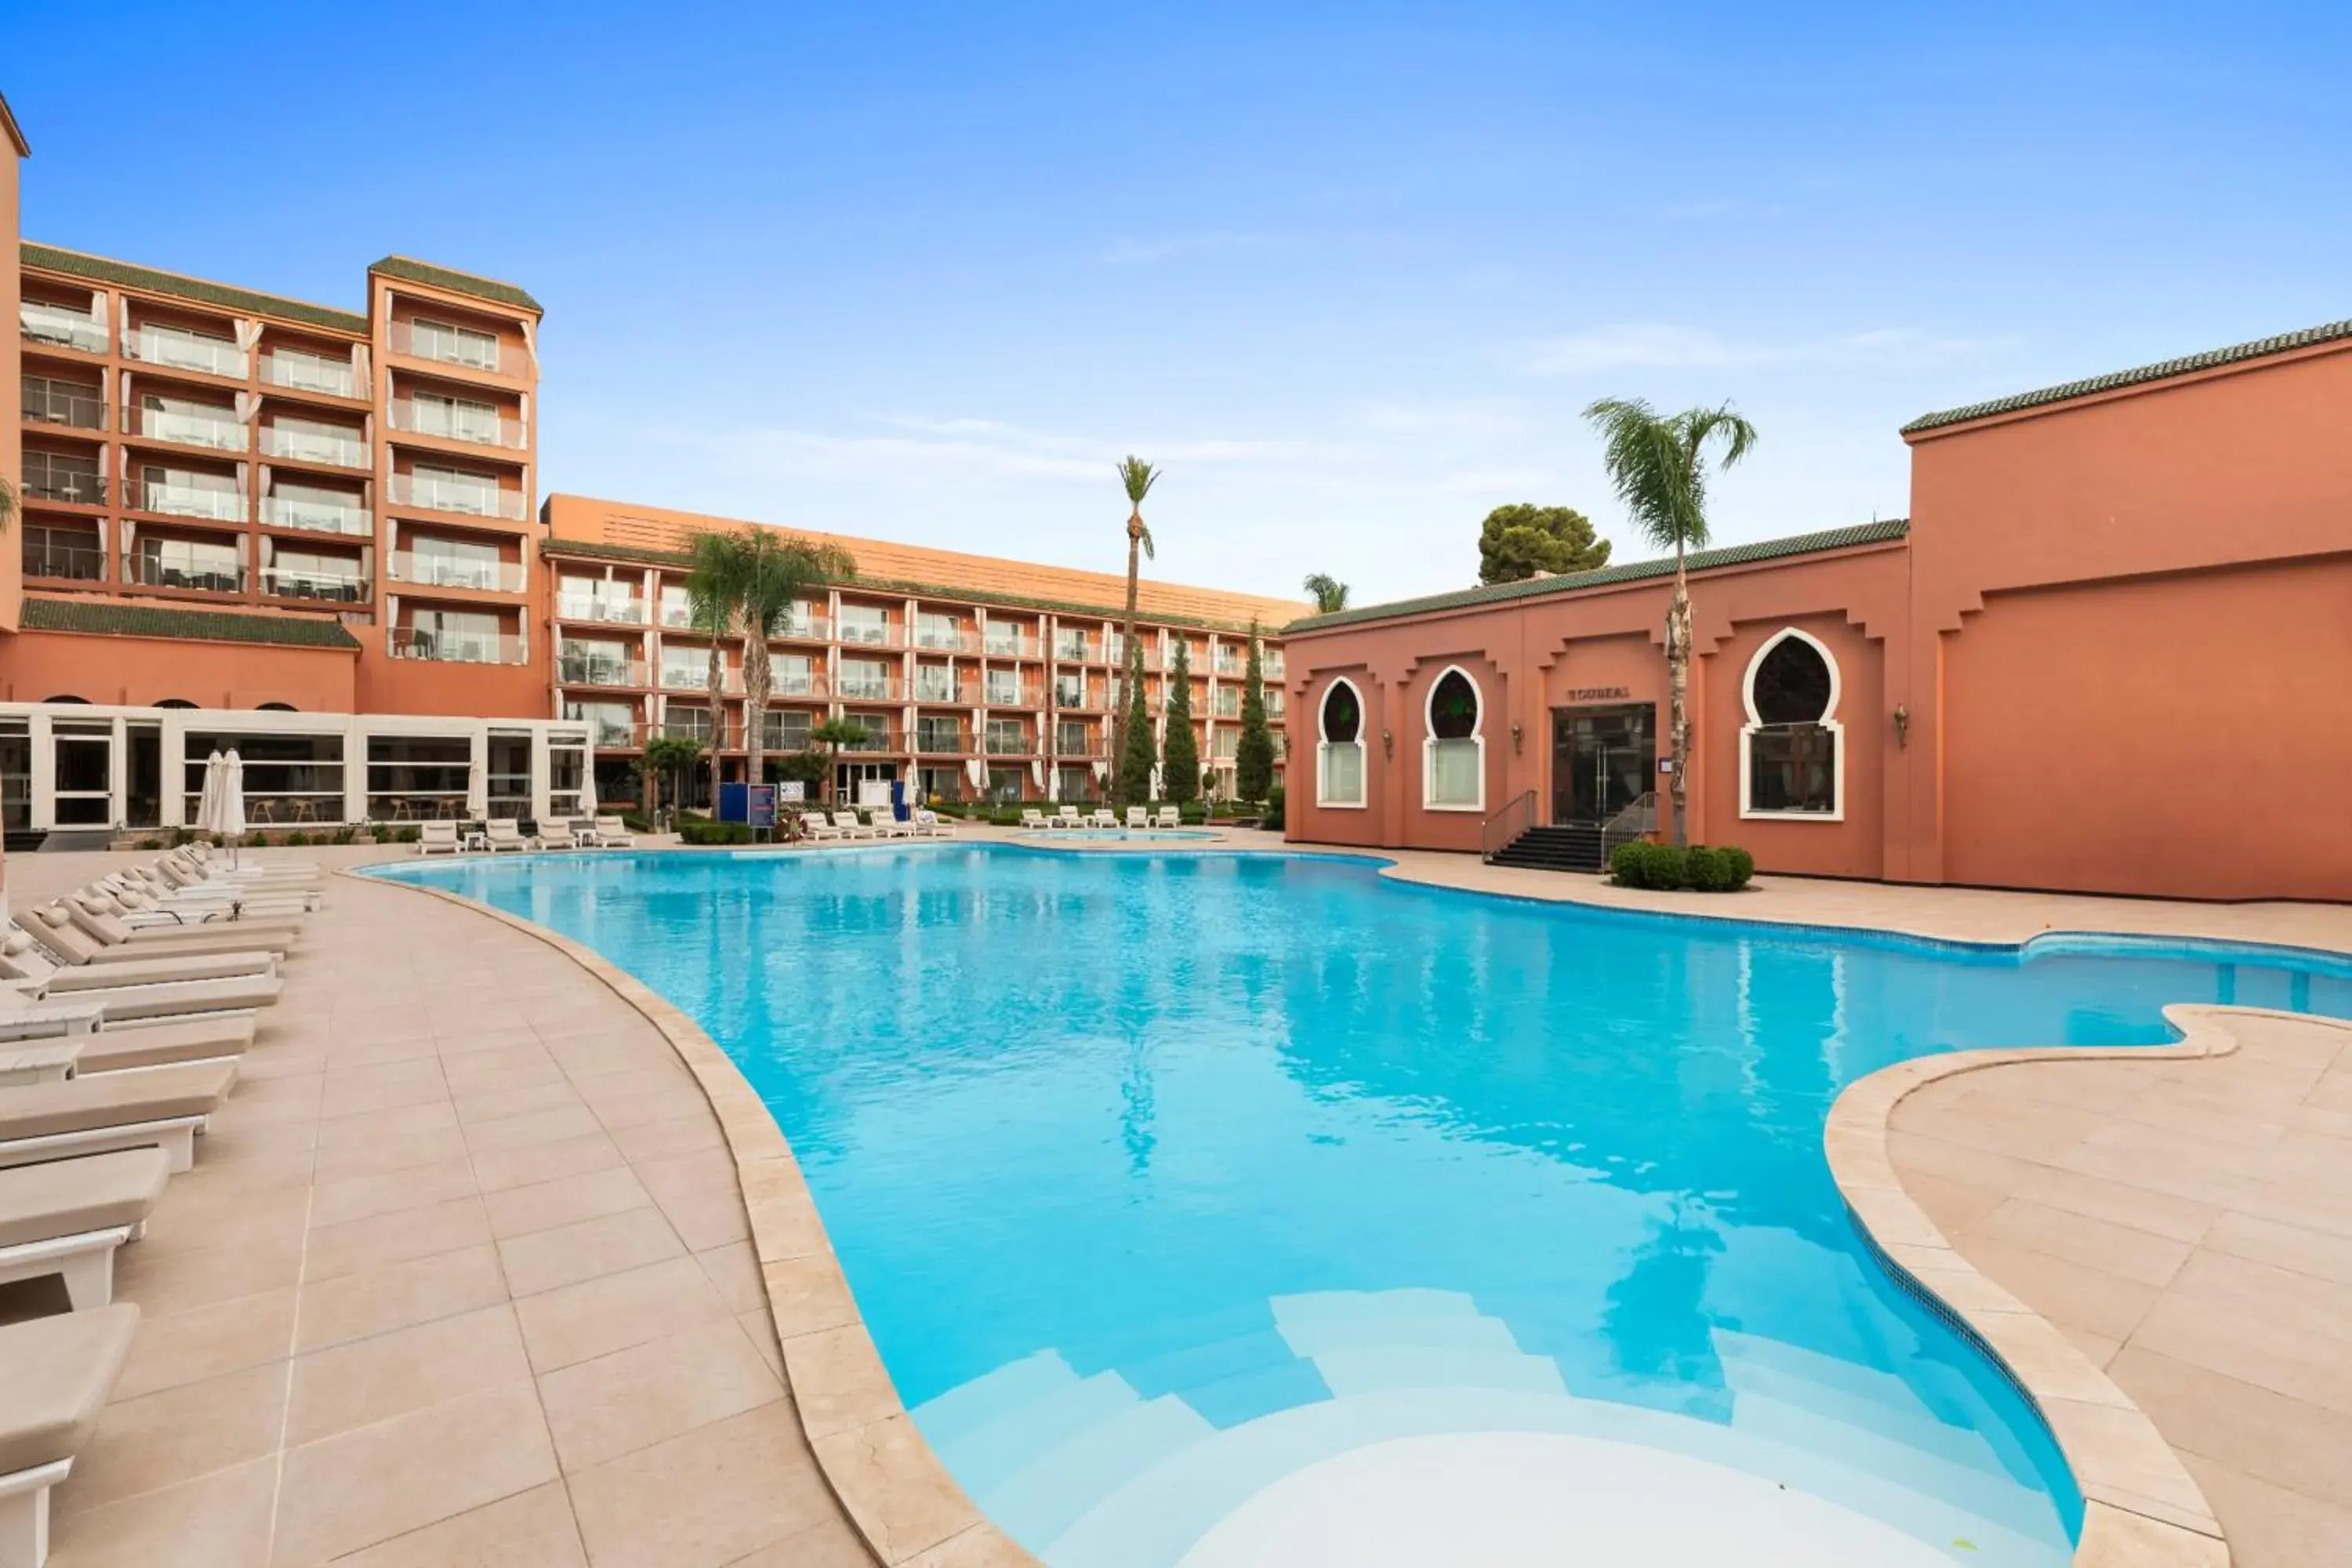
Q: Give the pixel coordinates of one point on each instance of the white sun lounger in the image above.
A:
(504, 833)
(162, 1108)
(852, 826)
(58, 1371)
(1032, 818)
(106, 917)
(1169, 816)
(67, 932)
(67, 1217)
(438, 839)
(113, 1044)
(929, 824)
(556, 833)
(611, 833)
(26, 962)
(1137, 816)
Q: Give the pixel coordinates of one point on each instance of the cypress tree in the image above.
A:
(1253, 756)
(1180, 768)
(1134, 774)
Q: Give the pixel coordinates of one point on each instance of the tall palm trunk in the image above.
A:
(755, 705)
(1130, 669)
(1678, 642)
(717, 715)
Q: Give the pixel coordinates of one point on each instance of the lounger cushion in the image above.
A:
(156, 1044)
(59, 1372)
(169, 1001)
(66, 1197)
(112, 1099)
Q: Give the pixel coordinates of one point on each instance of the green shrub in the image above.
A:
(345, 835)
(1193, 812)
(296, 837)
(696, 829)
(1743, 867)
(637, 822)
(1667, 868)
(408, 832)
(181, 836)
(1272, 821)
(151, 844)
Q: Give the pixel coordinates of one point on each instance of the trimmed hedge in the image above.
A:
(1668, 868)
(693, 829)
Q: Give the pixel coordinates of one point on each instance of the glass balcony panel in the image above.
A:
(459, 571)
(346, 450)
(163, 572)
(589, 666)
(176, 499)
(601, 607)
(58, 553)
(192, 429)
(446, 345)
(458, 422)
(55, 476)
(184, 350)
(310, 372)
(60, 324)
(472, 499)
(73, 404)
(309, 582)
(317, 516)
(456, 648)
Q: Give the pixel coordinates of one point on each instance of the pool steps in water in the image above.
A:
(1091, 1474)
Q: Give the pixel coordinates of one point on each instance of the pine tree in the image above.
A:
(1253, 756)
(1134, 779)
(1180, 767)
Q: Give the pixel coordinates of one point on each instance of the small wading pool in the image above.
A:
(1222, 1208)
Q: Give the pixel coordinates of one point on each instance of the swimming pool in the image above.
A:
(1190, 1194)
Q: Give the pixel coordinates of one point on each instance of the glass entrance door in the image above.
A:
(84, 760)
(1601, 759)
(848, 776)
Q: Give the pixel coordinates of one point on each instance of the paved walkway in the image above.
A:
(460, 1276)
(2188, 1225)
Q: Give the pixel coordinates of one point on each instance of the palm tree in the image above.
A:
(714, 592)
(7, 505)
(834, 734)
(1330, 594)
(1658, 465)
(1137, 477)
(773, 569)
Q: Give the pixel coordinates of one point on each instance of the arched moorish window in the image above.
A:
(1791, 760)
(1454, 756)
(1339, 759)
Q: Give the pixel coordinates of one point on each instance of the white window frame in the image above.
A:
(1828, 720)
(1325, 746)
(1477, 737)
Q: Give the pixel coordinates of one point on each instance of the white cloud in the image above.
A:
(1669, 346)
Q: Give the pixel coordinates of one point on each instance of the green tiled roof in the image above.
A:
(224, 296)
(2160, 371)
(101, 617)
(599, 552)
(1630, 571)
(456, 282)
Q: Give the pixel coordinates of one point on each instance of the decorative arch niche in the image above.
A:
(1453, 743)
(1339, 749)
(1792, 748)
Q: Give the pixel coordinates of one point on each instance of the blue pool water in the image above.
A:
(1161, 1176)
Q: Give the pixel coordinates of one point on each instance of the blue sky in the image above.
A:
(1347, 272)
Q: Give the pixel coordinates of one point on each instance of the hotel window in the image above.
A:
(689, 669)
(190, 563)
(864, 679)
(787, 731)
(1070, 691)
(452, 563)
(191, 492)
(1792, 762)
(462, 636)
(1339, 758)
(455, 490)
(937, 631)
(675, 610)
(1069, 643)
(1453, 757)
(461, 418)
(791, 675)
(1003, 689)
(934, 683)
(453, 345)
(609, 723)
(865, 623)
(1074, 739)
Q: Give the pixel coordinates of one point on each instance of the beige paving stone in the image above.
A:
(710, 1497)
(355, 1244)
(362, 1197)
(564, 1255)
(497, 1170)
(531, 1529)
(617, 1403)
(167, 1282)
(895, 1487)
(221, 1519)
(533, 1129)
(734, 1269)
(597, 1317)
(166, 1438)
(2272, 1526)
(387, 1375)
(206, 1341)
(517, 1211)
(2102, 1245)
(394, 1295)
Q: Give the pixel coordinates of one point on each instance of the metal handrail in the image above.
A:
(1506, 825)
(1636, 821)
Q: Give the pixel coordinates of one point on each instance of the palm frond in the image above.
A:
(1143, 537)
(1330, 594)
(1137, 477)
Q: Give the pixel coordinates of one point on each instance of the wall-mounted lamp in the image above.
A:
(1902, 725)
(1515, 737)
(1387, 745)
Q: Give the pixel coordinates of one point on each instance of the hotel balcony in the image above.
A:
(604, 733)
(1010, 744)
(443, 345)
(679, 677)
(75, 405)
(59, 326)
(600, 607)
(933, 639)
(943, 694)
(59, 477)
(942, 739)
(1025, 698)
(1228, 704)
(184, 350)
(1076, 648)
(309, 582)
(1077, 697)
(692, 724)
(309, 372)
(1082, 746)
(343, 450)
(879, 736)
(434, 494)
(186, 427)
(155, 572)
(796, 687)
(996, 644)
(868, 687)
(450, 572)
(70, 555)
(578, 666)
(414, 417)
(1230, 666)
(866, 634)
(202, 501)
(317, 516)
(1269, 663)
(456, 648)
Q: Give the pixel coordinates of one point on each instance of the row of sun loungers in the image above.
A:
(823, 827)
(1102, 817)
(125, 1008)
(554, 833)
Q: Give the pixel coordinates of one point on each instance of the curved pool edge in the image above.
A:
(896, 1494)
(2140, 1504)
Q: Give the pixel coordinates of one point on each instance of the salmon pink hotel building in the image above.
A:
(2111, 650)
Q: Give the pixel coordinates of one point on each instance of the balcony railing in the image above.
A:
(304, 373)
(459, 424)
(962, 696)
(1007, 743)
(349, 451)
(456, 571)
(868, 635)
(73, 404)
(1269, 665)
(73, 562)
(806, 628)
(304, 583)
(776, 737)
(192, 501)
(58, 324)
(997, 644)
(1228, 704)
(153, 572)
(950, 639)
(436, 494)
(317, 516)
(578, 669)
(605, 734)
(884, 737)
(696, 677)
(189, 429)
(1078, 699)
(598, 607)
(1078, 649)
(458, 647)
(213, 356)
(798, 685)
(473, 353)
(1081, 746)
(1022, 697)
(943, 740)
(868, 687)
(1229, 669)
(49, 476)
